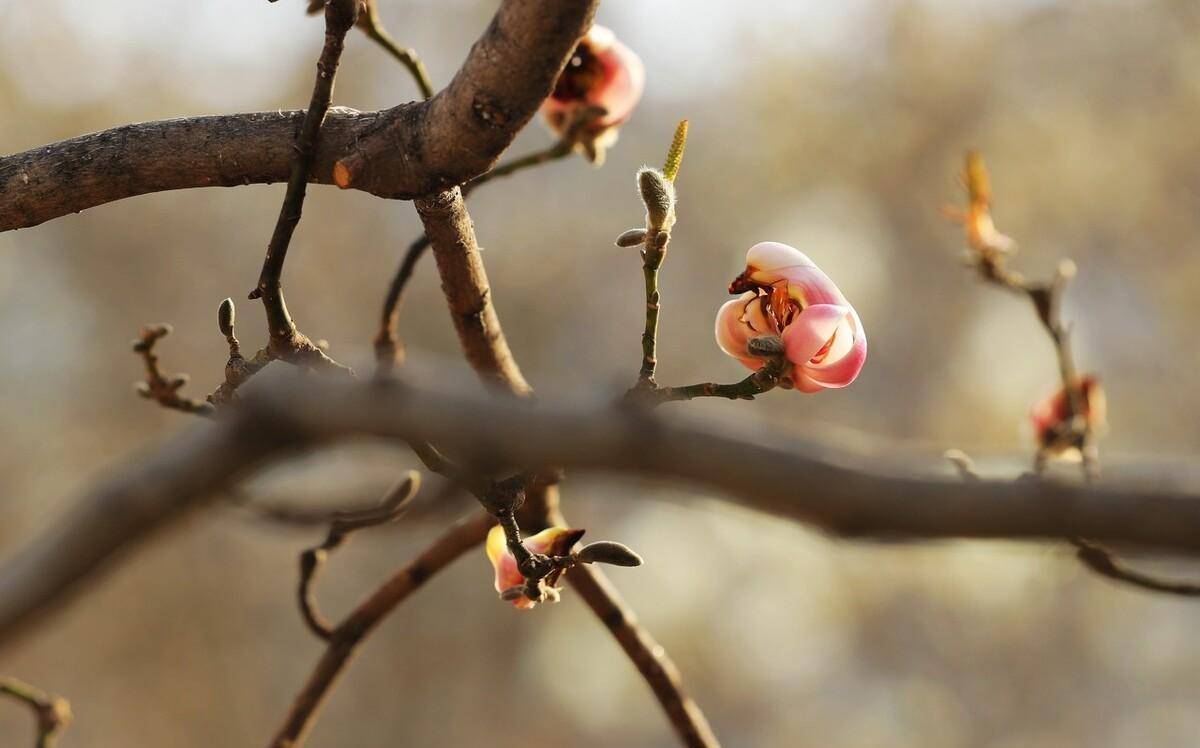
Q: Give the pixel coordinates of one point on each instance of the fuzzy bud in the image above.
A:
(658, 194)
(631, 238)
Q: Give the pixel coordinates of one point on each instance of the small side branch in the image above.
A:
(347, 637)
(52, 713)
(389, 509)
(1104, 563)
(159, 387)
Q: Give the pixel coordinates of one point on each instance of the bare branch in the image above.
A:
(774, 473)
(465, 284)
(410, 150)
(52, 713)
(393, 504)
(647, 655)
(344, 641)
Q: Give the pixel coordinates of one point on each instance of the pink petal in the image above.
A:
(625, 79)
(811, 330)
(803, 382)
(772, 256)
(842, 371)
(809, 285)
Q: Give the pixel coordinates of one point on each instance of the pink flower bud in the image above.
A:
(783, 293)
(602, 73)
(553, 541)
(1052, 415)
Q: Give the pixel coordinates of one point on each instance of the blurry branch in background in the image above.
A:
(783, 476)
(159, 387)
(389, 352)
(409, 150)
(1066, 422)
(52, 713)
(372, 25)
(389, 509)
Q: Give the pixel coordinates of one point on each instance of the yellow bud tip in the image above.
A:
(675, 153)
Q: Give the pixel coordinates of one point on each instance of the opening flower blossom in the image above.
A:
(784, 293)
(553, 541)
(1051, 416)
(602, 73)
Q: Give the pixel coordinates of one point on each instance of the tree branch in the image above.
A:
(344, 641)
(52, 713)
(410, 150)
(465, 284)
(774, 473)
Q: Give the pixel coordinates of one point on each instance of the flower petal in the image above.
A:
(505, 565)
(842, 371)
(734, 334)
(809, 285)
(812, 329)
(772, 256)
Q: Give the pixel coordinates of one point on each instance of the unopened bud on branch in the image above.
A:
(608, 552)
(658, 194)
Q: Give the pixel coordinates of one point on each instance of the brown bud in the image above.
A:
(226, 317)
(608, 552)
(766, 345)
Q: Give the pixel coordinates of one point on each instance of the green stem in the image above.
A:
(763, 380)
(652, 260)
(561, 149)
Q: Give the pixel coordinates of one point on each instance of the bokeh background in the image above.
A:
(836, 127)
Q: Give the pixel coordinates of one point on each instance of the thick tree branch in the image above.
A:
(773, 473)
(409, 150)
(465, 284)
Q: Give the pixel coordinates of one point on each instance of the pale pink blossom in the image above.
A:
(553, 541)
(602, 73)
(784, 293)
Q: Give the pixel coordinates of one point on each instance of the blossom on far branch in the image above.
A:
(1059, 429)
(988, 245)
(603, 73)
(783, 293)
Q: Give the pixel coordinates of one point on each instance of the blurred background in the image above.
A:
(836, 127)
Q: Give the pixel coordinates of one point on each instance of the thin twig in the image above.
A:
(286, 341)
(159, 387)
(52, 713)
(372, 26)
(348, 636)
(393, 504)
